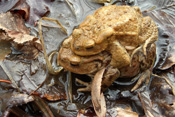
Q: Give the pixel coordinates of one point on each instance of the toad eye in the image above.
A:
(88, 48)
(89, 44)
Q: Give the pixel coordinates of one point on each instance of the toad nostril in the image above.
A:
(89, 44)
(74, 60)
(77, 47)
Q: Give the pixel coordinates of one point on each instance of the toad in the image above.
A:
(117, 38)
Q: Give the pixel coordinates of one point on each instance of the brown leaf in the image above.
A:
(44, 108)
(55, 97)
(159, 99)
(23, 8)
(4, 49)
(169, 60)
(16, 32)
(150, 108)
(13, 22)
(32, 10)
(14, 101)
(127, 112)
(86, 112)
(98, 98)
(19, 99)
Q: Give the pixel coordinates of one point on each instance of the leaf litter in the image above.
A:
(15, 31)
(160, 10)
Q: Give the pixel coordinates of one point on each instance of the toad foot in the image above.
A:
(87, 88)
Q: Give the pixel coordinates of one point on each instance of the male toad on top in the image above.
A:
(117, 38)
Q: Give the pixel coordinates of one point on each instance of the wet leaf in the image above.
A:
(6, 5)
(169, 60)
(127, 112)
(12, 22)
(16, 100)
(159, 99)
(54, 97)
(30, 74)
(4, 49)
(31, 10)
(86, 112)
(22, 8)
(17, 33)
(150, 108)
(43, 107)
(98, 98)
(149, 5)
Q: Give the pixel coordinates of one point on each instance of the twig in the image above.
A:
(6, 81)
(9, 75)
(70, 86)
(51, 70)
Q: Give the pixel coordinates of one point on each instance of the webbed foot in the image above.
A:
(87, 88)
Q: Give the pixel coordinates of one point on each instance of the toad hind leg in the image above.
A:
(87, 88)
(149, 32)
(109, 76)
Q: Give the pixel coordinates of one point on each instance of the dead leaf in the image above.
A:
(32, 10)
(6, 5)
(159, 100)
(127, 112)
(150, 108)
(169, 60)
(17, 100)
(44, 108)
(98, 98)
(13, 22)
(54, 97)
(16, 32)
(4, 49)
(23, 8)
(86, 112)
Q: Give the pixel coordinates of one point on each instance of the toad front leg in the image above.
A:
(120, 57)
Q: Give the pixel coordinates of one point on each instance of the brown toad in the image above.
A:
(117, 38)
